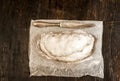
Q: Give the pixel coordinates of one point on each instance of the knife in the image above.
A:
(62, 24)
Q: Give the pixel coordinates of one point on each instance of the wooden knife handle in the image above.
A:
(45, 24)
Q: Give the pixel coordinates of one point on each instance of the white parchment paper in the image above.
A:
(41, 66)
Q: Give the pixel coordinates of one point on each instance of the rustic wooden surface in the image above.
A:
(15, 16)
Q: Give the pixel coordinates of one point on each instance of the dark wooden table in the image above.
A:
(15, 17)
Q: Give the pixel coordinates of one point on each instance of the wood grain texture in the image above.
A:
(15, 16)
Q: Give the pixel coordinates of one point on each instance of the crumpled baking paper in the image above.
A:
(40, 66)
